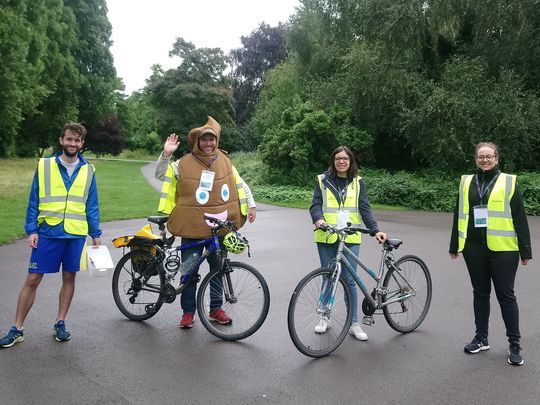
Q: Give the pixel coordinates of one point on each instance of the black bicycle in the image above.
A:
(144, 279)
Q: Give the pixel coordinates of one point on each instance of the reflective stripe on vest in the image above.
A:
(331, 207)
(56, 204)
(242, 199)
(500, 233)
(167, 199)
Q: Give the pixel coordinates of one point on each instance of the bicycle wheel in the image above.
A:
(409, 275)
(137, 285)
(310, 303)
(241, 291)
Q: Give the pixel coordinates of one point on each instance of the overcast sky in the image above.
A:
(144, 31)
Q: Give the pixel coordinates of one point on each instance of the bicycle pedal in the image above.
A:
(368, 320)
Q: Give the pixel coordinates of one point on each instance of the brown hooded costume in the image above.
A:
(192, 202)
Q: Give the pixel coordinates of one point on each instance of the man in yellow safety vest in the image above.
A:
(62, 211)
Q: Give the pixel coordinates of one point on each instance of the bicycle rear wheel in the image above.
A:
(241, 291)
(137, 284)
(408, 276)
(310, 303)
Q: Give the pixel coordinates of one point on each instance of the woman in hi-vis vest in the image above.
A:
(490, 228)
(340, 196)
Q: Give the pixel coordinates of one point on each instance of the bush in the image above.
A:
(427, 190)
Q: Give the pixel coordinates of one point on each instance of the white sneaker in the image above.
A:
(323, 325)
(357, 331)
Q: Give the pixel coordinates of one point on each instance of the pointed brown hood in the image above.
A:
(211, 127)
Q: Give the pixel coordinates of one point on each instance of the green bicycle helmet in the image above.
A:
(235, 243)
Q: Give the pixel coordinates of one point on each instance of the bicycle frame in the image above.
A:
(386, 260)
(211, 245)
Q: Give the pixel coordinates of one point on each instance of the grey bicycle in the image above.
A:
(320, 312)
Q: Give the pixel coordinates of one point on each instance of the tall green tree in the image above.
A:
(184, 96)
(58, 77)
(16, 77)
(262, 50)
(94, 60)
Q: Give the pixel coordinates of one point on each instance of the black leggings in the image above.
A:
(485, 265)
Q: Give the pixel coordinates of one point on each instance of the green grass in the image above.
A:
(123, 193)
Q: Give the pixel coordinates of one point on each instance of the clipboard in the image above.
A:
(99, 260)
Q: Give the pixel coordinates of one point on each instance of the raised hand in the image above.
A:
(171, 144)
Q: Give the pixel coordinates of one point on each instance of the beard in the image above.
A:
(68, 153)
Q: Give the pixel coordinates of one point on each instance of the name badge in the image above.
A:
(342, 218)
(480, 216)
(207, 180)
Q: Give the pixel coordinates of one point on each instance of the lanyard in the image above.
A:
(210, 163)
(482, 191)
(342, 194)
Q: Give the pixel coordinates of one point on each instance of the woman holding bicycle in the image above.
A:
(340, 196)
(490, 228)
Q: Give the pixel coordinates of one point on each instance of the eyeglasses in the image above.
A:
(345, 159)
(487, 157)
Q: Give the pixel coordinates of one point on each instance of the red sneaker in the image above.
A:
(187, 321)
(220, 316)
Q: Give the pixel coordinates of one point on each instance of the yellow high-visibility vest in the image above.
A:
(331, 207)
(500, 233)
(56, 204)
(167, 199)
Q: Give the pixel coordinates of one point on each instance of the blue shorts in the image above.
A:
(51, 252)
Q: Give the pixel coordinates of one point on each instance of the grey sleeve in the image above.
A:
(161, 167)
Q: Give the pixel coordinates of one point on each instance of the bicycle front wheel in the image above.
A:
(408, 288)
(318, 322)
(241, 291)
(137, 284)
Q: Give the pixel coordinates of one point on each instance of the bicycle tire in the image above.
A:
(137, 285)
(248, 308)
(305, 313)
(406, 315)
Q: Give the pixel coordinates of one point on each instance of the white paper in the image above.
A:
(99, 258)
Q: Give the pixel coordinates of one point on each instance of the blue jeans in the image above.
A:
(327, 253)
(188, 297)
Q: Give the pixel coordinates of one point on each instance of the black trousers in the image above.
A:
(485, 266)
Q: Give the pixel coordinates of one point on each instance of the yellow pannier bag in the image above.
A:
(144, 239)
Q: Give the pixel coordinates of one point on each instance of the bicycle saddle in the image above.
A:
(159, 220)
(393, 243)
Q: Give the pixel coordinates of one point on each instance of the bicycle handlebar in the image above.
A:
(349, 229)
(220, 224)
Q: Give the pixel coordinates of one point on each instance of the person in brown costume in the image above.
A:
(202, 182)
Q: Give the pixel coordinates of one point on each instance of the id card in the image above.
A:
(207, 180)
(480, 216)
(342, 218)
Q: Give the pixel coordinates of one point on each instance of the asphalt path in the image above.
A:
(113, 360)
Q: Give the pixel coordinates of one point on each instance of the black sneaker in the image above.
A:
(476, 345)
(514, 355)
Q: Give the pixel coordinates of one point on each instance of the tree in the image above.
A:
(105, 138)
(37, 74)
(299, 146)
(469, 106)
(261, 51)
(184, 96)
(58, 77)
(94, 61)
